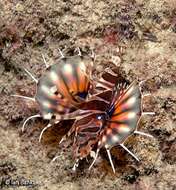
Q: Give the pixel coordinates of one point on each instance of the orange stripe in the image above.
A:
(121, 117)
(63, 90)
(71, 82)
(118, 110)
(82, 80)
(127, 93)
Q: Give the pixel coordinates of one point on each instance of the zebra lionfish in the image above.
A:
(61, 89)
(106, 111)
(116, 109)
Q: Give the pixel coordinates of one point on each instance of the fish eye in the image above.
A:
(99, 117)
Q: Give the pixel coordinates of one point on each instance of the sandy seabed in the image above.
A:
(140, 38)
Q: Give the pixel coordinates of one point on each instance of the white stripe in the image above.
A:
(44, 60)
(123, 146)
(144, 134)
(31, 117)
(44, 129)
(24, 97)
(148, 113)
(110, 159)
(94, 159)
(34, 79)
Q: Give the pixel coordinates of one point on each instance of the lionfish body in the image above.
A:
(116, 111)
(106, 111)
(89, 127)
